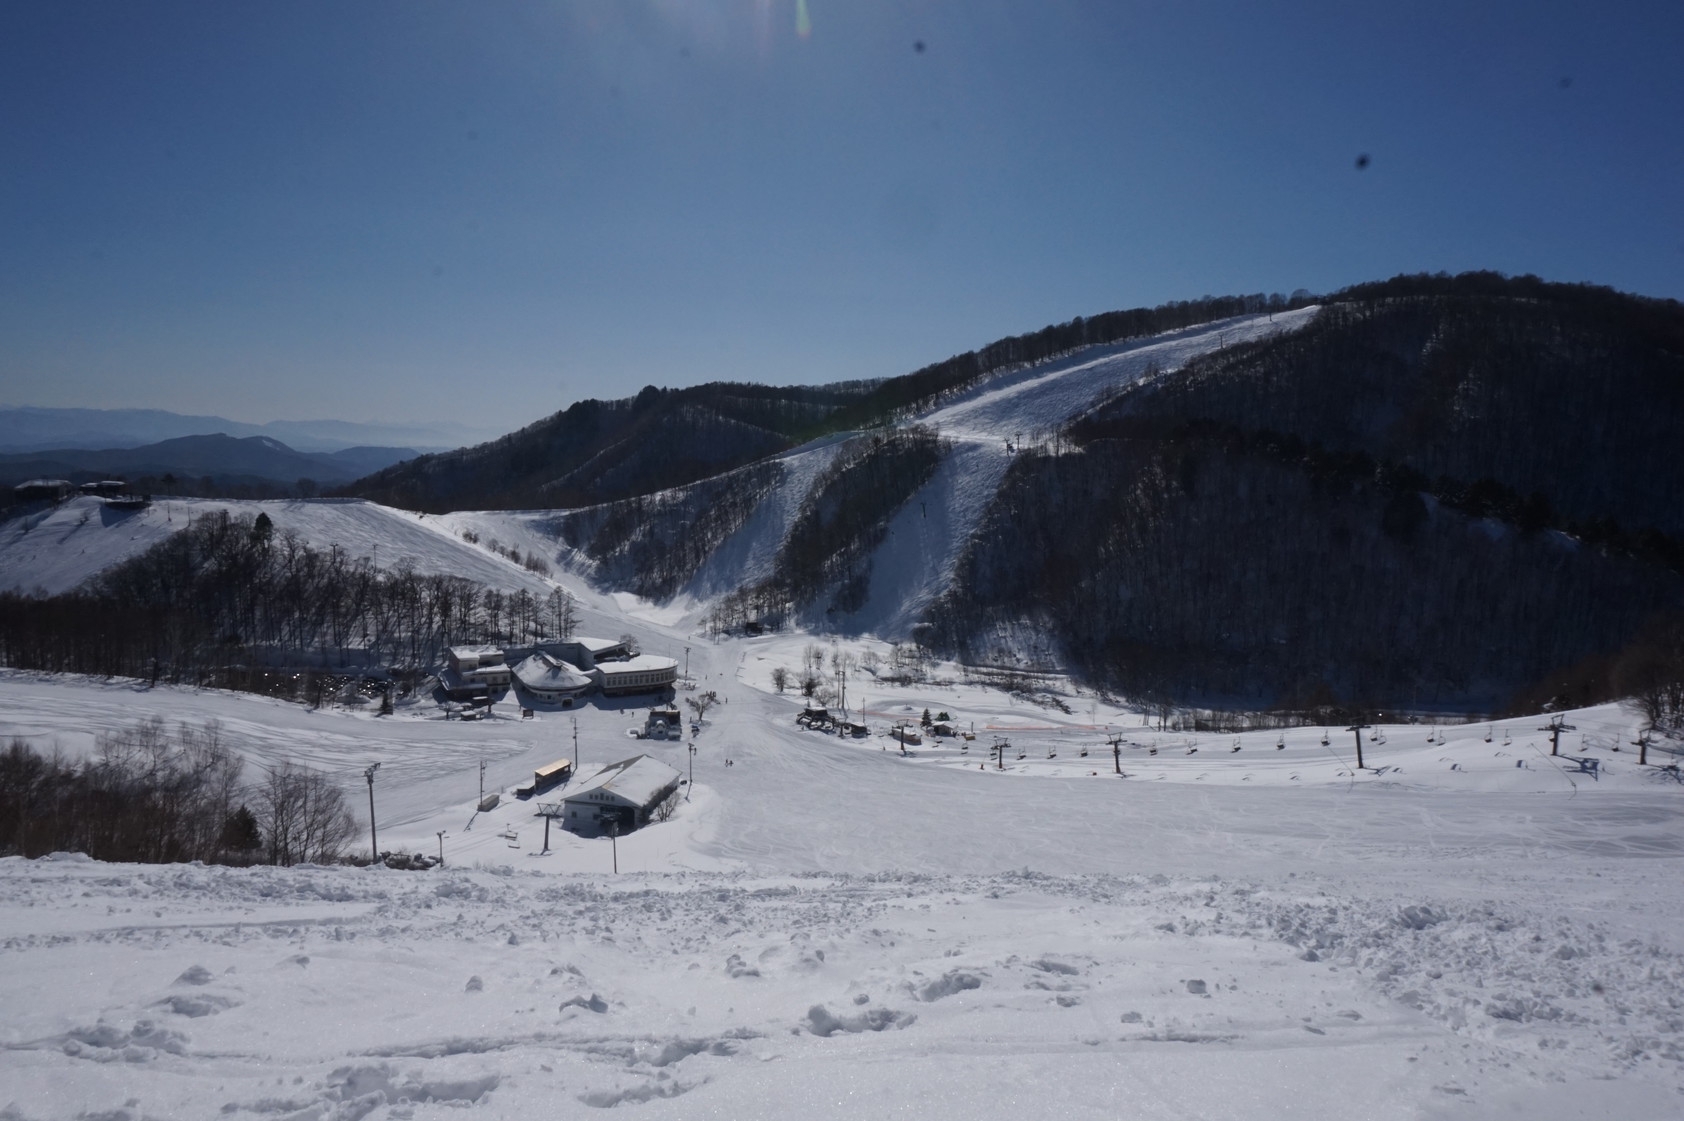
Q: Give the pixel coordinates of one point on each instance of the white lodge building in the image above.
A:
(621, 796)
(559, 672)
(474, 671)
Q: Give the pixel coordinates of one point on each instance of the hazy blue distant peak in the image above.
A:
(27, 428)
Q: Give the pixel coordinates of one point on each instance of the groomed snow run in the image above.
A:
(829, 928)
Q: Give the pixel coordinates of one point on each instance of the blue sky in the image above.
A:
(485, 211)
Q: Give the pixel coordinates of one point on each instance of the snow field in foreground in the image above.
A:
(345, 993)
(1520, 941)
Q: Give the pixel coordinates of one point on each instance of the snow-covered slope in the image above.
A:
(61, 548)
(65, 546)
(829, 926)
(914, 564)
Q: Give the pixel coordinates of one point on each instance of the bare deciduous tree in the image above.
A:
(303, 816)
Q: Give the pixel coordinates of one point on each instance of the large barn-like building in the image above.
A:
(620, 797)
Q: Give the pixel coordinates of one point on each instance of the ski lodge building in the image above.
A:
(621, 796)
(473, 672)
(557, 672)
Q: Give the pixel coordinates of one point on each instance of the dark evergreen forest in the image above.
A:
(1444, 491)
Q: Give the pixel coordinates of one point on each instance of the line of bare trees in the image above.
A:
(155, 794)
(228, 591)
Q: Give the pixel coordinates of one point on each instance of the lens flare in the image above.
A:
(803, 21)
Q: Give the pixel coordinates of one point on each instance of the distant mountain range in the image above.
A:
(225, 459)
(29, 429)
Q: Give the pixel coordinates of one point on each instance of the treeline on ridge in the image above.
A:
(1568, 392)
(596, 451)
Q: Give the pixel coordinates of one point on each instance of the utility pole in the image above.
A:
(441, 848)
(692, 781)
(1358, 729)
(481, 782)
(1555, 727)
(614, 842)
(687, 663)
(373, 838)
(575, 747)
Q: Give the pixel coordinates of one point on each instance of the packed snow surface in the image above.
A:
(832, 928)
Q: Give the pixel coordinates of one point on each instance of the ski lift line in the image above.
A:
(1558, 769)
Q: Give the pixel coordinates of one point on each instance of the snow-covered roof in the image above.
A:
(542, 673)
(639, 780)
(475, 651)
(642, 663)
(597, 646)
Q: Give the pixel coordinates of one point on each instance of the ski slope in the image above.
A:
(64, 547)
(829, 926)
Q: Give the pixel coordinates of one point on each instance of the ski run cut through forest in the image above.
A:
(1010, 895)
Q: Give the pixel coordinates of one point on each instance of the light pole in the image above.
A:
(614, 841)
(373, 837)
(441, 848)
(692, 781)
(687, 663)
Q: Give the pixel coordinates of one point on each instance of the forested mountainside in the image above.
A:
(1444, 490)
(1441, 491)
(652, 544)
(599, 451)
(226, 599)
(1571, 395)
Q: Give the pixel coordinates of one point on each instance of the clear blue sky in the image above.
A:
(485, 211)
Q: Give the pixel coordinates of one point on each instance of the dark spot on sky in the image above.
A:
(918, 45)
(1566, 83)
(473, 134)
(1362, 161)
